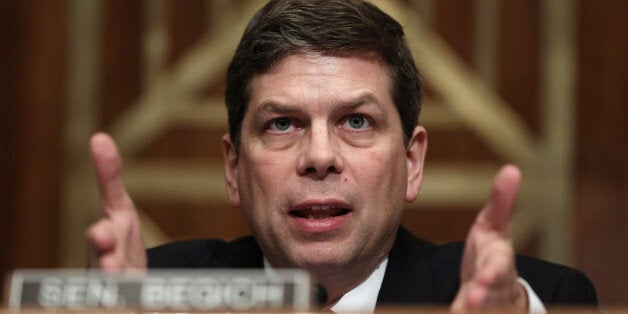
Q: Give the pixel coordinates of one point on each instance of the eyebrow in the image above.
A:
(362, 100)
(270, 106)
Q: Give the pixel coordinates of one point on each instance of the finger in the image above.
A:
(108, 168)
(476, 297)
(469, 298)
(485, 289)
(496, 265)
(498, 210)
(101, 241)
(111, 263)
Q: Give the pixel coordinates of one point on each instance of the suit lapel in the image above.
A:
(244, 253)
(417, 274)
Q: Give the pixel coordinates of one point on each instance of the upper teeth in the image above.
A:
(321, 207)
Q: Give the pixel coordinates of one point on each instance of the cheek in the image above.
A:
(384, 163)
(384, 174)
(260, 177)
(256, 185)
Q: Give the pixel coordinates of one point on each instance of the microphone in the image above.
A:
(320, 295)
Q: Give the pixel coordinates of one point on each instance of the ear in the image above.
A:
(231, 170)
(415, 156)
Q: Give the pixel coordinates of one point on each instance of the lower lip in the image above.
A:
(320, 225)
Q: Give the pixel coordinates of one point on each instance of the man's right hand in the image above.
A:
(114, 243)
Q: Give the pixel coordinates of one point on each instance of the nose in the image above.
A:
(319, 154)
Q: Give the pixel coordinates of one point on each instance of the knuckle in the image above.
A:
(94, 230)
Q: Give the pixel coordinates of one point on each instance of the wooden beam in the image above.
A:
(465, 93)
(425, 9)
(166, 180)
(213, 113)
(558, 122)
(203, 64)
(485, 43)
(444, 183)
(156, 42)
(79, 194)
(456, 184)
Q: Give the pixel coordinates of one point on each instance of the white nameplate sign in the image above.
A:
(162, 290)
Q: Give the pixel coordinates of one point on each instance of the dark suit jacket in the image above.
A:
(418, 272)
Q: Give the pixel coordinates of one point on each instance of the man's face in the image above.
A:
(323, 173)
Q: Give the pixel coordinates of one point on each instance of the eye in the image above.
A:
(280, 124)
(357, 121)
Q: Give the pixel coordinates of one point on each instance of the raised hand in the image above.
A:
(114, 242)
(488, 273)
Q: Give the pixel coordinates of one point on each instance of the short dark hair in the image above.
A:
(328, 27)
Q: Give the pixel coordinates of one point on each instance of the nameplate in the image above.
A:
(162, 290)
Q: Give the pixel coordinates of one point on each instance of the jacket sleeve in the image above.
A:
(556, 284)
(574, 288)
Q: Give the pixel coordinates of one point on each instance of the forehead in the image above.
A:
(320, 78)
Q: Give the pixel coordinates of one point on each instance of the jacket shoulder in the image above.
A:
(556, 284)
(423, 272)
(553, 283)
(207, 253)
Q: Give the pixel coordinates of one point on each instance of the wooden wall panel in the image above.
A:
(518, 72)
(208, 221)
(8, 21)
(187, 23)
(37, 120)
(602, 163)
(440, 225)
(121, 67)
(32, 111)
(454, 21)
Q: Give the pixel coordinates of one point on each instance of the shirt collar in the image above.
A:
(362, 298)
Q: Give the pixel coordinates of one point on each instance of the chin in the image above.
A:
(321, 257)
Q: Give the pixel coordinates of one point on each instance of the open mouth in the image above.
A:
(317, 212)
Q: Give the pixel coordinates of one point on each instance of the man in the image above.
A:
(322, 153)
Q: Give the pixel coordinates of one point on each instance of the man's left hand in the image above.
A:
(488, 274)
